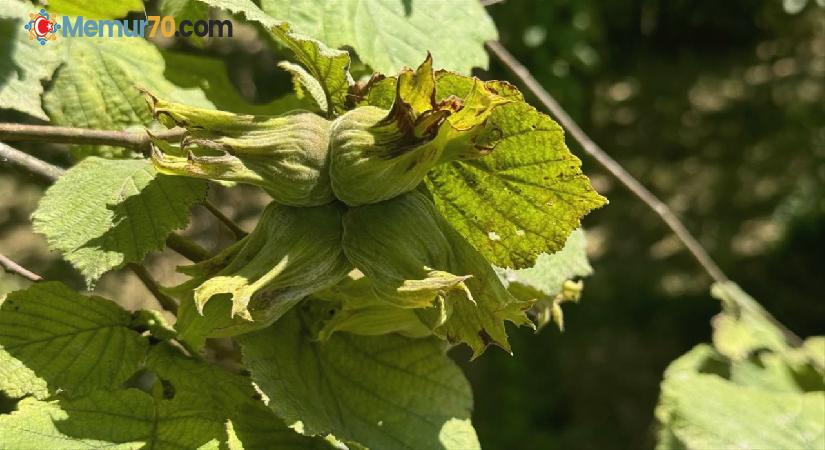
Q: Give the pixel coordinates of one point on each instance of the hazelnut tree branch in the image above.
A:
(12, 267)
(70, 135)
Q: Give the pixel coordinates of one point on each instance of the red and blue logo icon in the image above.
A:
(42, 27)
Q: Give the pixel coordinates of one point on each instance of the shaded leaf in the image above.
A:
(33, 426)
(381, 392)
(54, 339)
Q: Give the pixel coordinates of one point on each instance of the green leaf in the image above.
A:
(391, 34)
(54, 339)
(546, 277)
(130, 415)
(738, 332)
(97, 87)
(128, 419)
(33, 426)
(752, 390)
(329, 67)
(105, 213)
(230, 396)
(523, 199)
(706, 411)
(381, 392)
(24, 63)
(95, 9)
(210, 75)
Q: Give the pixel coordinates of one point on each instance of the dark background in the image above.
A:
(717, 106)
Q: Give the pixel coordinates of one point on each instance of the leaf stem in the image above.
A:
(232, 226)
(166, 302)
(12, 267)
(632, 184)
(71, 135)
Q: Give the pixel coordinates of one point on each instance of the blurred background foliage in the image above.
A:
(718, 107)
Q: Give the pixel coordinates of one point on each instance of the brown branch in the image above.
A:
(11, 155)
(12, 267)
(631, 183)
(232, 226)
(70, 135)
(166, 302)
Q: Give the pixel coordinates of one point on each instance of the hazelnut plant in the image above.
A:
(410, 213)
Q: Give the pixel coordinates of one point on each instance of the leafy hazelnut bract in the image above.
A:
(415, 259)
(285, 155)
(292, 253)
(377, 154)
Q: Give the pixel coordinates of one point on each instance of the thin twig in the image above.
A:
(232, 226)
(70, 135)
(187, 248)
(168, 303)
(11, 155)
(491, 2)
(632, 184)
(13, 267)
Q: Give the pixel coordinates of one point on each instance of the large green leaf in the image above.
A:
(105, 213)
(751, 390)
(24, 63)
(230, 396)
(706, 411)
(53, 339)
(128, 417)
(97, 87)
(391, 34)
(381, 392)
(328, 66)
